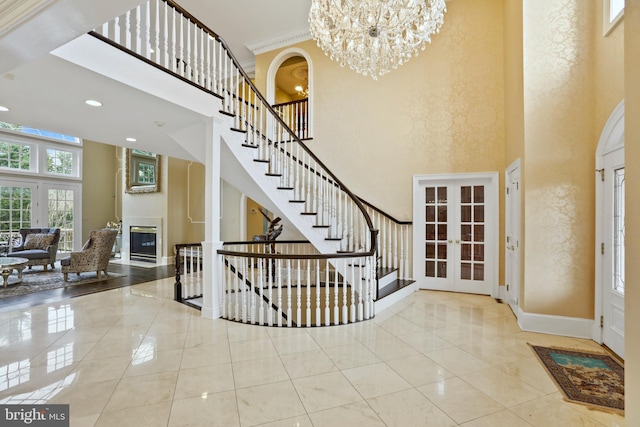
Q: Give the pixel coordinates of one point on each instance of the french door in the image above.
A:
(613, 253)
(456, 225)
(25, 204)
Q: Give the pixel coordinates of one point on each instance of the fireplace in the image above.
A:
(142, 243)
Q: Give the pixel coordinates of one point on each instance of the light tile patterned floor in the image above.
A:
(134, 357)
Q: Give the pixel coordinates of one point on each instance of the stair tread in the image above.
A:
(394, 286)
(261, 160)
(226, 113)
(250, 146)
(239, 130)
(320, 226)
(308, 213)
(273, 174)
(286, 188)
(297, 201)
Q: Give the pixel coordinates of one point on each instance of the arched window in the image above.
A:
(290, 90)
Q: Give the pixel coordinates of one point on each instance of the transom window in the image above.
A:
(16, 156)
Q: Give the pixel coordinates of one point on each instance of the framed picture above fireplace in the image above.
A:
(142, 171)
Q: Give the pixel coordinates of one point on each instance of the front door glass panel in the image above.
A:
(618, 232)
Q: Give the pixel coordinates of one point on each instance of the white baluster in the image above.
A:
(289, 306)
(336, 290)
(279, 284)
(345, 287)
(318, 288)
(355, 264)
(299, 298)
(327, 309)
(308, 283)
(252, 294)
(261, 285)
(198, 271)
(363, 265)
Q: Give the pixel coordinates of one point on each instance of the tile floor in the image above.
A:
(134, 357)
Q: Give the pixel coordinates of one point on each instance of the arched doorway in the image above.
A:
(289, 90)
(610, 200)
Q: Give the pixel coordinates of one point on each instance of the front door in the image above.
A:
(455, 220)
(613, 252)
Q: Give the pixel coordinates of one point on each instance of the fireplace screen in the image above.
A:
(142, 244)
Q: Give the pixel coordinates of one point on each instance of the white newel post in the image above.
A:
(212, 273)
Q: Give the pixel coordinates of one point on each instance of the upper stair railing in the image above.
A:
(296, 115)
(165, 35)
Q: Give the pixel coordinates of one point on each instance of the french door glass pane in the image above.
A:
(15, 211)
(618, 232)
(472, 229)
(436, 232)
(61, 202)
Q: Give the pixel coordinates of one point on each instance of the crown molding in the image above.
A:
(279, 41)
(14, 12)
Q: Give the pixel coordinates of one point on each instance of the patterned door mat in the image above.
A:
(589, 378)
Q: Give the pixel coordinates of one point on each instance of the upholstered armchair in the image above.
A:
(39, 246)
(94, 256)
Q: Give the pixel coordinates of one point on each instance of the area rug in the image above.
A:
(37, 280)
(592, 379)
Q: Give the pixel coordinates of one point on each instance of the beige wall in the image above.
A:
(632, 214)
(185, 203)
(255, 220)
(98, 187)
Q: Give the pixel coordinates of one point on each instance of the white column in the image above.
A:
(212, 273)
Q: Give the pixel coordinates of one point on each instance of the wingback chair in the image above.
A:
(94, 255)
(39, 246)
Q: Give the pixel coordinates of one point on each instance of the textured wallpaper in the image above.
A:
(559, 156)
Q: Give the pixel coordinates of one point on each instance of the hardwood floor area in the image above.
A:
(133, 276)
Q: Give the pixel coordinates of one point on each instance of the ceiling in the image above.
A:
(46, 91)
(243, 23)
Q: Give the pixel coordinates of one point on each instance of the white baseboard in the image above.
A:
(554, 325)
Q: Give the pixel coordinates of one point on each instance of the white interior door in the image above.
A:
(455, 218)
(613, 251)
(512, 234)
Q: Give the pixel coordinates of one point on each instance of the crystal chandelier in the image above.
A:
(373, 37)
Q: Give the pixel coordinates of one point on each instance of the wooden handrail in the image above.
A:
(380, 211)
(284, 104)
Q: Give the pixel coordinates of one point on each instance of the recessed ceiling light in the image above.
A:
(131, 139)
(3, 108)
(93, 103)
